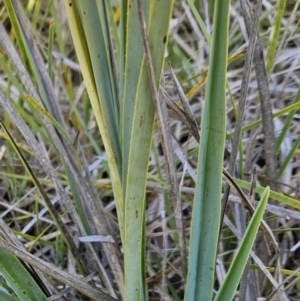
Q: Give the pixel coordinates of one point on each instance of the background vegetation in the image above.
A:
(119, 119)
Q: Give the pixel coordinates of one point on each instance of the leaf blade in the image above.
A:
(207, 204)
(230, 284)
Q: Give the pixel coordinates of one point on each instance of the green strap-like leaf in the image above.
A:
(19, 279)
(108, 132)
(137, 121)
(231, 282)
(207, 203)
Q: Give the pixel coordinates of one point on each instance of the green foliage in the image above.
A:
(107, 39)
(207, 206)
(17, 277)
(231, 282)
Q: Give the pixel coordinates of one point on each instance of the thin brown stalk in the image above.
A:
(189, 116)
(266, 105)
(242, 102)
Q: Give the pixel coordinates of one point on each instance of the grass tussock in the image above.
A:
(60, 182)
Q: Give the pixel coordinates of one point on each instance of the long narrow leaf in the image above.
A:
(138, 117)
(110, 141)
(207, 203)
(19, 279)
(231, 282)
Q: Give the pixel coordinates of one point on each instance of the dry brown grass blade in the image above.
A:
(54, 272)
(190, 118)
(67, 289)
(266, 105)
(162, 116)
(176, 111)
